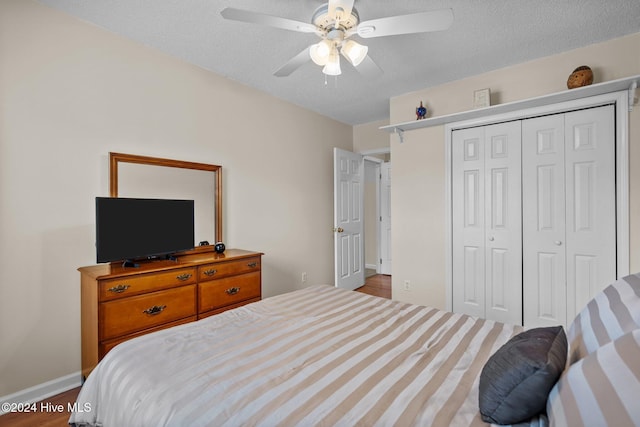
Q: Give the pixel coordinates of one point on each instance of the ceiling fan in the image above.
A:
(335, 23)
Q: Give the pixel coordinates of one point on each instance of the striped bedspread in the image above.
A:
(320, 356)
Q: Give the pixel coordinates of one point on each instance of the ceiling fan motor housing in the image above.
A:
(325, 22)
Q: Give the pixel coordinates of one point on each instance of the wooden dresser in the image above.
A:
(120, 303)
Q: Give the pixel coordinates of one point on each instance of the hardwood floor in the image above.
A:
(378, 285)
(46, 414)
(51, 412)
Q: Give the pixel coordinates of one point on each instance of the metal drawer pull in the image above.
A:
(184, 276)
(252, 264)
(156, 309)
(210, 272)
(232, 291)
(119, 289)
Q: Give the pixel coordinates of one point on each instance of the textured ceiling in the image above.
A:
(485, 35)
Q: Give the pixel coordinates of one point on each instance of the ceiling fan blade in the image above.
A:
(293, 64)
(337, 5)
(369, 68)
(436, 20)
(271, 21)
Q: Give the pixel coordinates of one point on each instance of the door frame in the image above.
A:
(384, 267)
(621, 101)
(369, 156)
(375, 163)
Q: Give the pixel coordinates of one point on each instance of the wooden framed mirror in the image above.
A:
(152, 177)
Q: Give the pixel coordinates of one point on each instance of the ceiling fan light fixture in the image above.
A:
(332, 68)
(354, 52)
(320, 52)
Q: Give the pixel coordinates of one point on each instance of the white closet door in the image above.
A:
(543, 209)
(591, 204)
(503, 223)
(569, 218)
(487, 245)
(468, 237)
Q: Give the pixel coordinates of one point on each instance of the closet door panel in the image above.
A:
(543, 217)
(503, 222)
(468, 222)
(591, 204)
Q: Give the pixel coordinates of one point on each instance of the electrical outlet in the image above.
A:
(407, 285)
(304, 277)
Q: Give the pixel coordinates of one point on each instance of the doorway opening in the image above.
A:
(377, 213)
(359, 177)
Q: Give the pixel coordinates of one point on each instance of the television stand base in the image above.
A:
(167, 257)
(129, 263)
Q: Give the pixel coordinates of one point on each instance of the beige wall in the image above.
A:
(69, 94)
(418, 164)
(368, 136)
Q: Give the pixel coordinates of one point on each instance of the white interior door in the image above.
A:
(503, 222)
(348, 170)
(468, 221)
(569, 212)
(487, 227)
(591, 204)
(385, 218)
(543, 206)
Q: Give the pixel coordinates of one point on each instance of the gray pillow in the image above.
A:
(516, 380)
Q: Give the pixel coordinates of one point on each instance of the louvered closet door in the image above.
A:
(569, 247)
(487, 256)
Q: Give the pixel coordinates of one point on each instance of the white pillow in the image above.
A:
(602, 389)
(612, 313)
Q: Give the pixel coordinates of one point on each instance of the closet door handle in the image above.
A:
(491, 239)
(558, 243)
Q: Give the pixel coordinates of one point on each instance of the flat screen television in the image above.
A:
(129, 229)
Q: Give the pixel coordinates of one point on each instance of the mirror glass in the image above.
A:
(150, 177)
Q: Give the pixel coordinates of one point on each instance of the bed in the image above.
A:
(317, 356)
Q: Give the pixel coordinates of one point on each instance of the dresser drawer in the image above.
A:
(222, 269)
(219, 293)
(127, 315)
(126, 286)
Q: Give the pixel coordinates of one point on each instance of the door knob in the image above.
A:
(558, 242)
(338, 229)
(491, 239)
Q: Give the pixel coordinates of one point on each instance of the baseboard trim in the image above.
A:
(42, 391)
